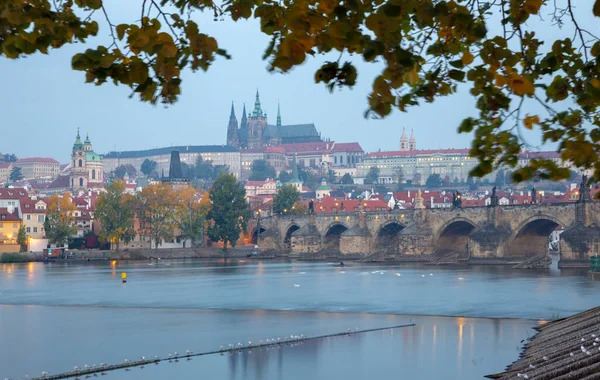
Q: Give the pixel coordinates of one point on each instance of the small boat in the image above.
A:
(342, 265)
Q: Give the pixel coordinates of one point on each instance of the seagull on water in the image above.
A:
(531, 366)
(86, 366)
(460, 278)
(431, 274)
(188, 352)
(297, 285)
(45, 373)
(545, 357)
(422, 275)
(126, 361)
(143, 358)
(76, 369)
(398, 274)
(240, 344)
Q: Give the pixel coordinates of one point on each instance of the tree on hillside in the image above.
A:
(434, 181)
(330, 176)
(191, 214)
(115, 211)
(398, 174)
(22, 238)
(347, 179)
(285, 198)
(156, 205)
(121, 170)
(372, 176)
(299, 208)
(219, 170)
(261, 170)
(285, 177)
(149, 168)
(471, 184)
(308, 178)
(417, 179)
(60, 216)
(229, 213)
(427, 49)
(16, 174)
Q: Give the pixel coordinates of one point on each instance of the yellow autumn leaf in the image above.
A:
(529, 121)
(595, 82)
(500, 80)
(532, 6)
(467, 58)
(413, 77)
(521, 86)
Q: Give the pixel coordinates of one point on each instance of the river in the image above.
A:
(470, 321)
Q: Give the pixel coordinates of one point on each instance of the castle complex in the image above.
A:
(255, 133)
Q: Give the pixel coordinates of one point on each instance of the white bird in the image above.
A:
(102, 365)
(230, 345)
(571, 354)
(176, 353)
(278, 339)
(595, 344)
(188, 352)
(302, 336)
(143, 358)
(86, 366)
(597, 340)
(75, 368)
(126, 361)
(249, 343)
(221, 348)
(297, 285)
(588, 353)
(342, 272)
(422, 275)
(582, 349)
(460, 278)
(545, 357)
(583, 339)
(169, 355)
(45, 374)
(531, 366)
(431, 274)
(593, 335)
(240, 345)
(398, 274)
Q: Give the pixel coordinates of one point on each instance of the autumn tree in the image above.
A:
(156, 212)
(426, 49)
(191, 214)
(285, 198)
(229, 213)
(299, 208)
(115, 211)
(60, 217)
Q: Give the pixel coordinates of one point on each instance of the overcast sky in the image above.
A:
(43, 101)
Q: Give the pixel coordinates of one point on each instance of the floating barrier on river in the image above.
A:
(103, 368)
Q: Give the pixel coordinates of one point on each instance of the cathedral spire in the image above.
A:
(278, 115)
(232, 129)
(244, 121)
(78, 144)
(412, 145)
(295, 167)
(257, 112)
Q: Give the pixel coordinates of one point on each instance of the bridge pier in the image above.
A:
(488, 245)
(356, 241)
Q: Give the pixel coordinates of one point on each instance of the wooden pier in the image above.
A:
(102, 369)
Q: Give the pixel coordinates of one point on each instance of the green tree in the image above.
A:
(16, 174)
(285, 198)
(285, 177)
(331, 176)
(398, 174)
(426, 49)
(156, 205)
(203, 169)
(220, 170)
(149, 168)
(309, 178)
(434, 181)
(417, 179)
(347, 179)
(60, 216)
(115, 211)
(22, 238)
(121, 170)
(229, 213)
(372, 176)
(471, 184)
(261, 170)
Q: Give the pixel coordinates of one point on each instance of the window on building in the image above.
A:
(93, 173)
(28, 217)
(80, 181)
(341, 159)
(335, 160)
(80, 163)
(28, 229)
(34, 229)
(41, 218)
(15, 225)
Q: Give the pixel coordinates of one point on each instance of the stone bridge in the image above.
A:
(488, 235)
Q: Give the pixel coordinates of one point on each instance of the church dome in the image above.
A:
(92, 156)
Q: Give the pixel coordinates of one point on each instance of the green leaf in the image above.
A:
(457, 75)
(121, 28)
(597, 8)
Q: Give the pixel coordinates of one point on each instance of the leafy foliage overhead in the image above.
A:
(427, 49)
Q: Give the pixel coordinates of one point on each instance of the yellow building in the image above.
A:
(34, 215)
(9, 228)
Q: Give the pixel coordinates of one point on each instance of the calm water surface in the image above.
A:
(55, 316)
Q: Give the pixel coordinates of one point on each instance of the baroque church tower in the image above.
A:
(404, 146)
(86, 166)
(412, 143)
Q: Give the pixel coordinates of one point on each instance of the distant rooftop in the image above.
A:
(168, 150)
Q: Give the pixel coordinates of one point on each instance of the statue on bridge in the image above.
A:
(584, 190)
(494, 198)
(457, 199)
(533, 195)
(342, 208)
(311, 207)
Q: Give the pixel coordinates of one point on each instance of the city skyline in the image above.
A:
(42, 127)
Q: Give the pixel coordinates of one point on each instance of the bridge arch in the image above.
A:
(453, 237)
(331, 239)
(530, 238)
(287, 240)
(255, 233)
(387, 238)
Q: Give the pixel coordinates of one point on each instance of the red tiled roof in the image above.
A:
(330, 204)
(12, 193)
(274, 149)
(59, 183)
(310, 147)
(5, 165)
(8, 216)
(37, 159)
(473, 202)
(397, 153)
(347, 147)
